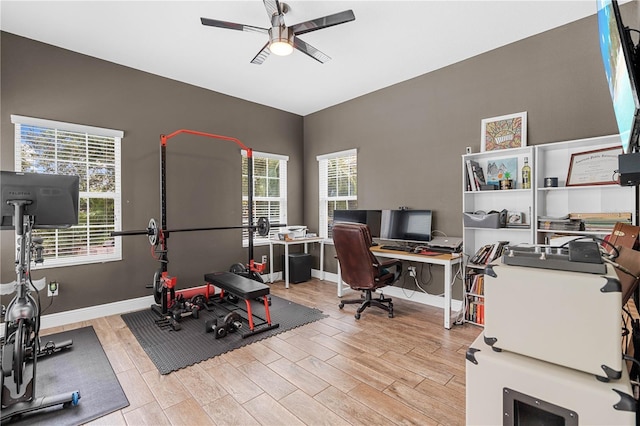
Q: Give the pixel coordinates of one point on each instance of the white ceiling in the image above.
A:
(389, 42)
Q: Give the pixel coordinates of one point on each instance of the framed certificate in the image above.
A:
(598, 167)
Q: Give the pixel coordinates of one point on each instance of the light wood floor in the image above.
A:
(339, 370)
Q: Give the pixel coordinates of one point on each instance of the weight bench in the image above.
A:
(246, 289)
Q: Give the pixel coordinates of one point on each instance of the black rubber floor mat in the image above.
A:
(84, 367)
(172, 350)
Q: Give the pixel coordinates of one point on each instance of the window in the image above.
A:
(44, 146)
(338, 186)
(269, 192)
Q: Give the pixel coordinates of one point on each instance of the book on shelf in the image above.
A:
(601, 226)
(478, 175)
(518, 225)
(554, 218)
(488, 253)
(476, 258)
(470, 177)
(475, 176)
(611, 216)
(475, 311)
(477, 285)
(561, 224)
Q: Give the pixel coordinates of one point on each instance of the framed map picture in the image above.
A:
(506, 131)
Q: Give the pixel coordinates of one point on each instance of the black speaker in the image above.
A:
(299, 267)
(629, 168)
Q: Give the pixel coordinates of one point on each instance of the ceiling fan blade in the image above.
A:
(262, 55)
(324, 22)
(308, 49)
(273, 7)
(233, 26)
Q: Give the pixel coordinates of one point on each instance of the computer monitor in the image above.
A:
(52, 199)
(368, 217)
(621, 70)
(412, 226)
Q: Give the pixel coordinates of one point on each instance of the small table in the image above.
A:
(446, 260)
(286, 244)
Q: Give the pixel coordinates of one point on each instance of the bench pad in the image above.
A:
(237, 285)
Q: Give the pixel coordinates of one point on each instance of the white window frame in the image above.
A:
(324, 197)
(52, 261)
(282, 198)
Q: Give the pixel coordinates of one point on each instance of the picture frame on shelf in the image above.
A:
(596, 167)
(515, 218)
(504, 132)
(501, 169)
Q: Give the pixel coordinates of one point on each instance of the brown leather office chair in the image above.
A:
(361, 270)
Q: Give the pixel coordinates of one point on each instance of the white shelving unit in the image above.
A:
(513, 200)
(547, 160)
(552, 160)
(516, 200)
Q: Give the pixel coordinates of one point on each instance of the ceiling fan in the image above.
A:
(283, 39)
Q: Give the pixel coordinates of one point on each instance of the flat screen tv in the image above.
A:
(52, 200)
(410, 226)
(621, 69)
(368, 217)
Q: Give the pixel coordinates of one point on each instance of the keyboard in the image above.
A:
(438, 249)
(396, 248)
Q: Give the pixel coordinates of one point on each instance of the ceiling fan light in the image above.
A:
(281, 40)
(281, 48)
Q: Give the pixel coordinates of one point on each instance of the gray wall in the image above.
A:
(42, 81)
(410, 136)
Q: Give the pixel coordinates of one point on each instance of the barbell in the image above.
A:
(153, 232)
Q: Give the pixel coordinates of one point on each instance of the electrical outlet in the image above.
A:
(264, 258)
(52, 288)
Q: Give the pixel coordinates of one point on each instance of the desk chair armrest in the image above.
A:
(383, 268)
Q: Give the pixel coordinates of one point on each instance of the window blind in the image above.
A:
(269, 192)
(338, 186)
(93, 154)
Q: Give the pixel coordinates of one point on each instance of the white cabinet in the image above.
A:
(553, 160)
(518, 200)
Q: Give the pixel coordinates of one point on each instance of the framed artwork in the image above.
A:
(506, 131)
(500, 169)
(598, 167)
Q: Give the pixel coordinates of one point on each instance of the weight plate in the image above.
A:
(263, 226)
(157, 287)
(230, 319)
(256, 277)
(153, 232)
(238, 268)
(220, 332)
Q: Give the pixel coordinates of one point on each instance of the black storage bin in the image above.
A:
(299, 267)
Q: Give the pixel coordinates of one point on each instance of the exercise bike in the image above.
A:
(21, 346)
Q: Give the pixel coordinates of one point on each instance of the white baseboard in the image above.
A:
(420, 297)
(411, 295)
(92, 312)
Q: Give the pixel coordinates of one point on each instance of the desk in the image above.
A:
(286, 244)
(446, 260)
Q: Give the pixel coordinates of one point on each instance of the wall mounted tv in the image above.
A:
(52, 200)
(619, 56)
(411, 226)
(369, 217)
